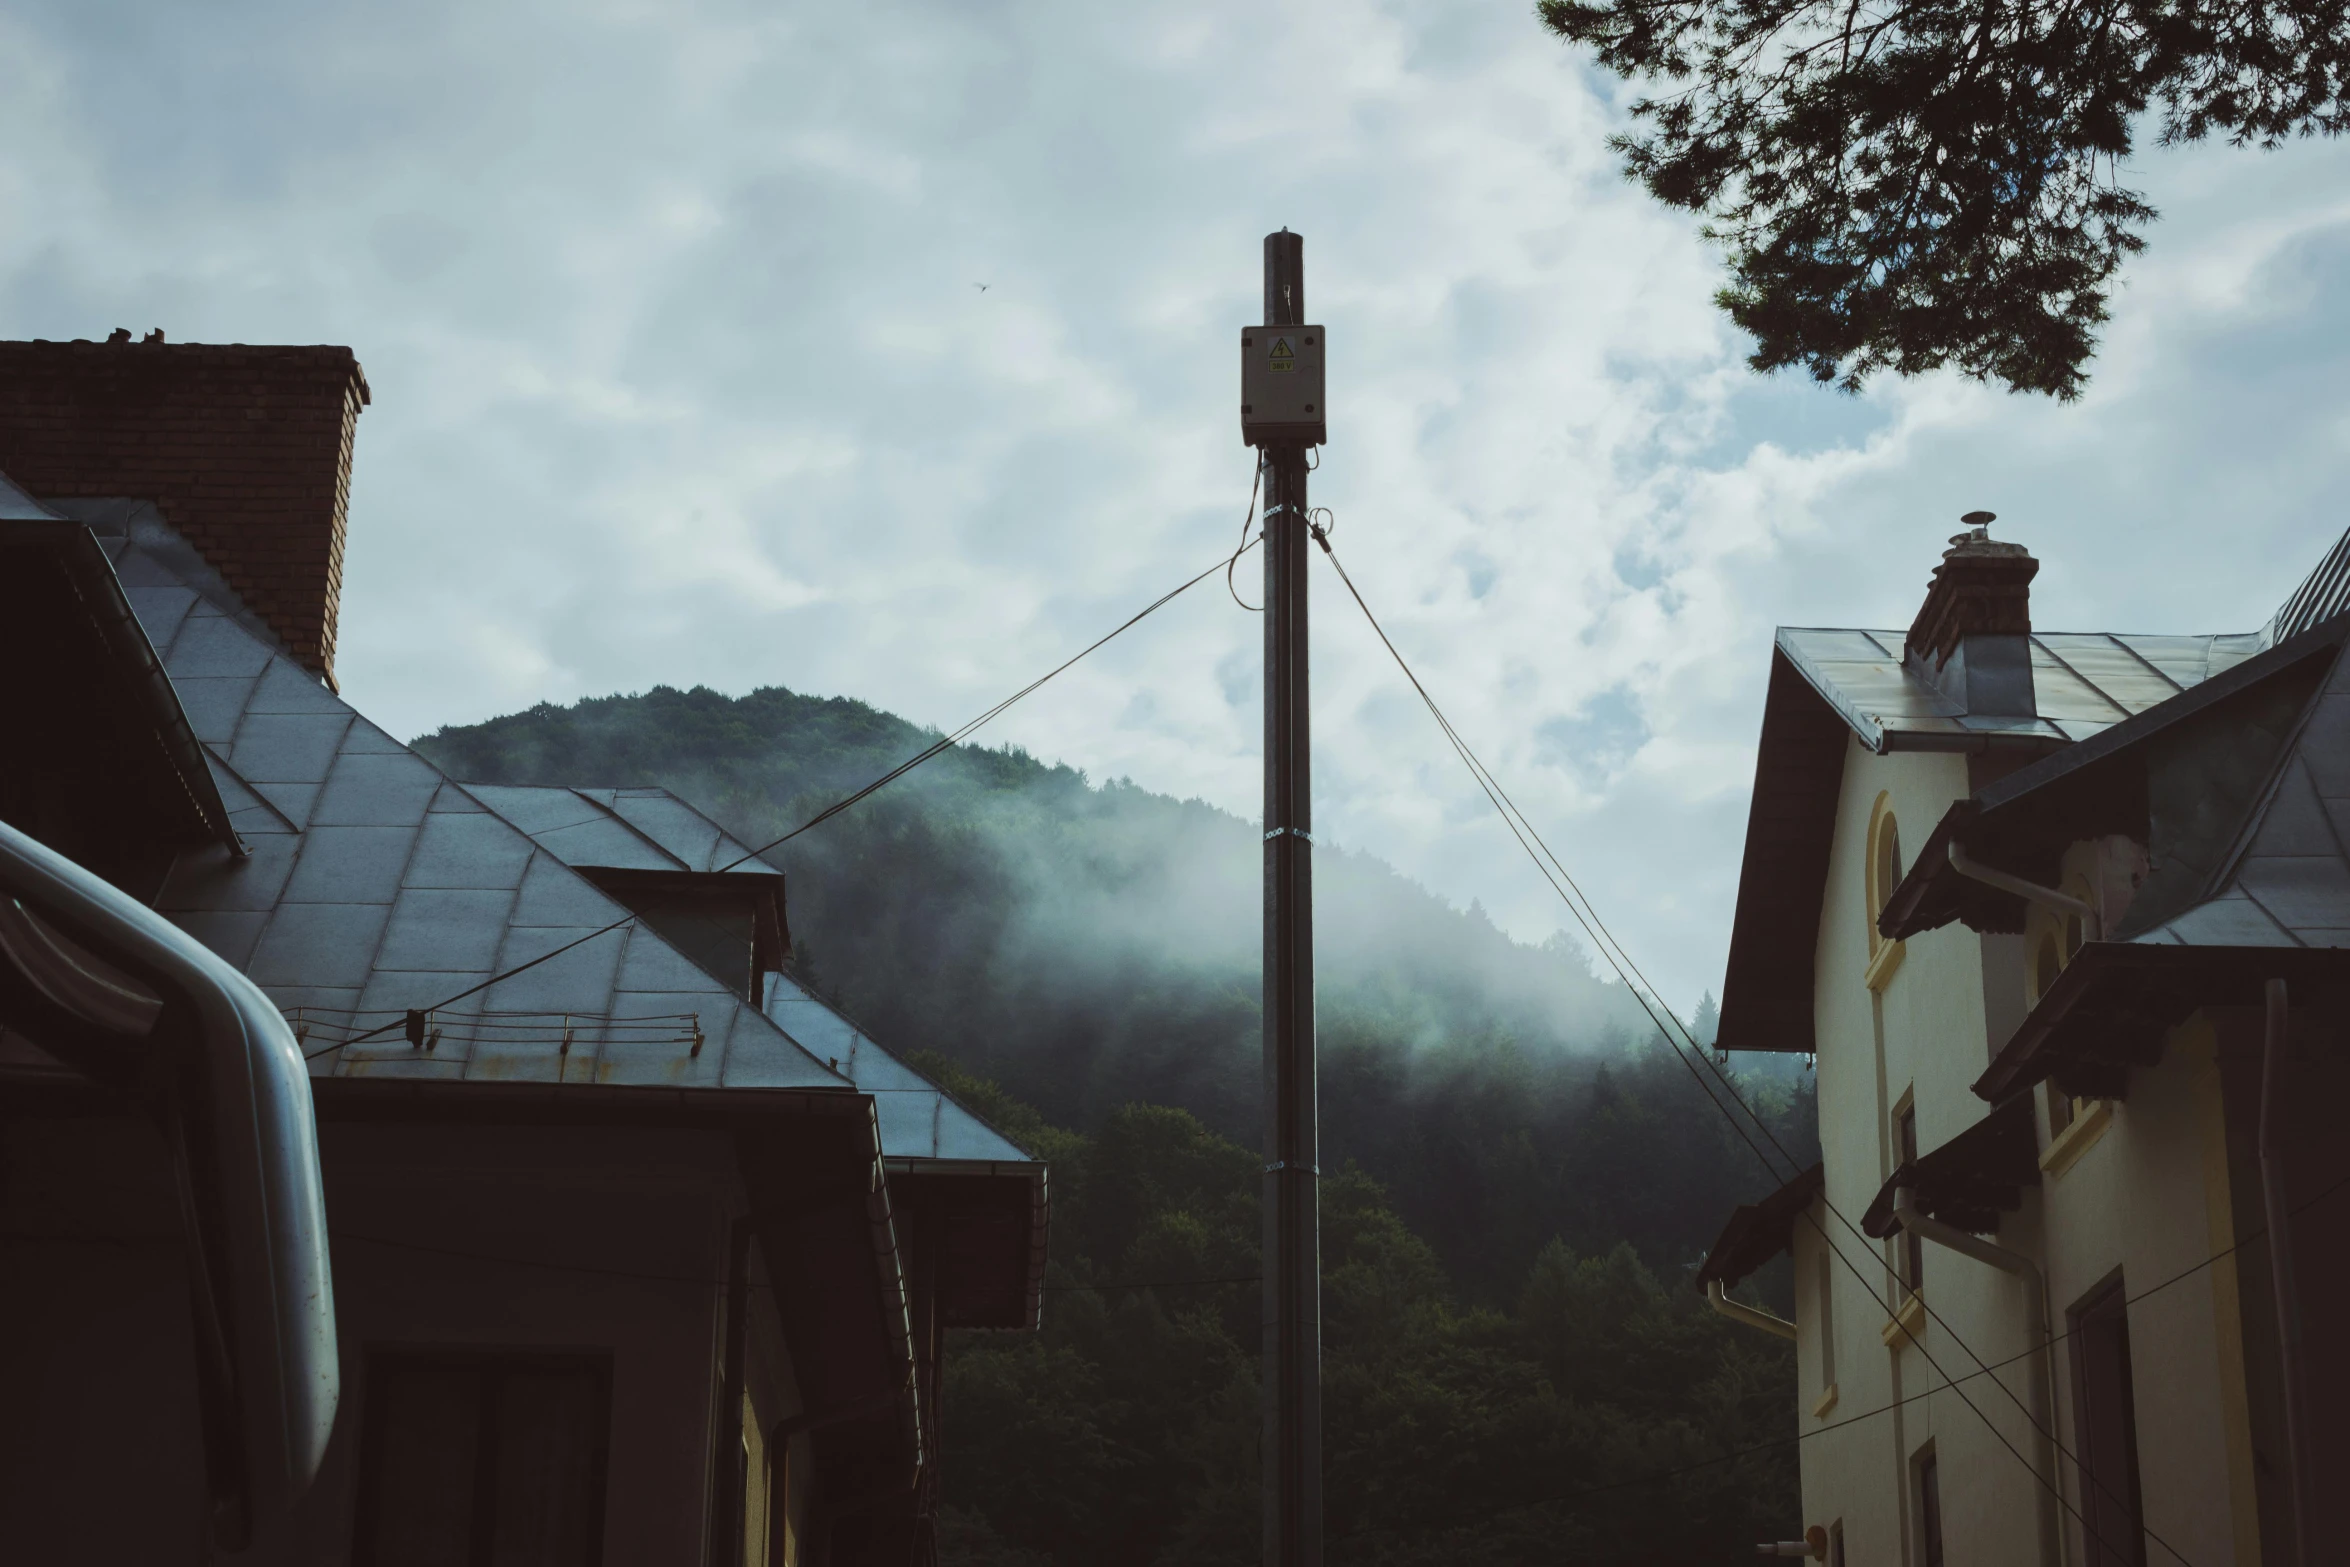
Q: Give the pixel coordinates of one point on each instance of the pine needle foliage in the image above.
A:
(1910, 184)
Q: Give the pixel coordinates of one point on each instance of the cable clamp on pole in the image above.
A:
(1295, 832)
(1279, 1165)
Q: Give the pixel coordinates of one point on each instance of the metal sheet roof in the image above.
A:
(375, 884)
(2287, 881)
(17, 506)
(919, 1120)
(2083, 683)
(627, 829)
(653, 829)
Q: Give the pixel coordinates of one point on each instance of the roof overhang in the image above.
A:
(993, 1220)
(1759, 1231)
(58, 588)
(2114, 1004)
(1971, 1180)
(1783, 879)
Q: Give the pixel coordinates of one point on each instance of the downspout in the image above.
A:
(2036, 1289)
(2092, 928)
(2280, 1263)
(1746, 1314)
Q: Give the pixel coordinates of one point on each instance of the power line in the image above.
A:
(947, 741)
(884, 781)
(1824, 1429)
(1619, 959)
(598, 1271)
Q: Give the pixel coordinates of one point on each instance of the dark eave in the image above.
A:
(1971, 1180)
(2113, 1005)
(992, 1221)
(190, 796)
(1783, 880)
(1759, 1231)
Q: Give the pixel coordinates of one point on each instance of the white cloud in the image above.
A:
(681, 376)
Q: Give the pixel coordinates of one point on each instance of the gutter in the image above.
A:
(2092, 928)
(2036, 1297)
(1751, 1316)
(143, 1010)
(2280, 1263)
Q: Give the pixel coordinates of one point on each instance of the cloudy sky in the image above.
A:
(682, 375)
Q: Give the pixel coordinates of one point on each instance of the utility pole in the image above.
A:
(1282, 413)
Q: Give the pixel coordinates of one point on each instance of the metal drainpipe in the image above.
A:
(2280, 1263)
(2043, 1410)
(2092, 928)
(1746, 1314)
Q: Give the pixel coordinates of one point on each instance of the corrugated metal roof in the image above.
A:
(2083, 682)
(2323, 594)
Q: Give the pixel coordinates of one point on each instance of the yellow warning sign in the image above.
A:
(1282, 357)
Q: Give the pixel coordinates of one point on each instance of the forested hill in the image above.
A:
(1518, 1175)
(1089, 946)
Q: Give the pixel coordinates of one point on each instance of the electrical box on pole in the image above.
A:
(1282, 399)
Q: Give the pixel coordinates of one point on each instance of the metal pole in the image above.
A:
(1293, 1252)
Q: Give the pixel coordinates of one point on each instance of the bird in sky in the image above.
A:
(982, 287)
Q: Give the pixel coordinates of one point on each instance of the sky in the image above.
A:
(684, 373)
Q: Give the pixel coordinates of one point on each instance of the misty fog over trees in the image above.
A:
(1520, 1174)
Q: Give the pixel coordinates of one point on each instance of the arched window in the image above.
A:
(1881, 866)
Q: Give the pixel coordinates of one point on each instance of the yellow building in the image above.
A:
(2064, 921)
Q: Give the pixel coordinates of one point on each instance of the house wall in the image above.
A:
(614, 1241)
(2145, 1203)
(1919, 1034)
(2144, 1195)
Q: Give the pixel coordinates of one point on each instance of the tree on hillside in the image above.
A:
(1907, 184)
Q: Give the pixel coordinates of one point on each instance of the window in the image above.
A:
(1825, 1311)
(1880, 866)
(2107, 1425)
(1930, 1510)
(483, 1460)
(1905, 1151)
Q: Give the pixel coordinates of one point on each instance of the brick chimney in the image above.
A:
(1972, 639)
(245, 450)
